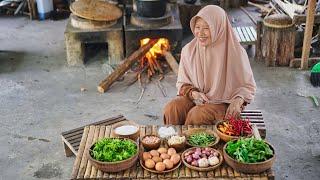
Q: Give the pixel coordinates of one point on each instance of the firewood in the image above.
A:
(172, 62)
(125, 66)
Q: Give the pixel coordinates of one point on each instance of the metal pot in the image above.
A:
(151, 8)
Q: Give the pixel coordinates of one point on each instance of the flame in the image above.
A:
(157, 50)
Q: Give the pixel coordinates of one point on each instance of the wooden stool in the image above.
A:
(278, 40)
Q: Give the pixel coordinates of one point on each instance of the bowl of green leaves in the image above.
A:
(249, 155)
(201, 137)
(113, 154)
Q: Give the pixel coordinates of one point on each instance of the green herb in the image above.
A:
(113, 149)
(249, 150)
(201, 139)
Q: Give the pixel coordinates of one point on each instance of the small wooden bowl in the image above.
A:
(178, 147)
(150, 146)
(133, 136)
(224, 136)
(114, 166)
(249, 167)
(199, 130)
(210, 168)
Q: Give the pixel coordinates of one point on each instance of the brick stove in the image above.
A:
(123, 38)
(137, 28)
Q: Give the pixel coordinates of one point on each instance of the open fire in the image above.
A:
(150, 61)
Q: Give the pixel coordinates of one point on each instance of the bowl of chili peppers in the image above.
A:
(233, 128)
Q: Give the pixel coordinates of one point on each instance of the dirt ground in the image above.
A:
(40, 97)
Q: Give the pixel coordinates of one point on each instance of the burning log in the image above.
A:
(125, 66)
(172, 62)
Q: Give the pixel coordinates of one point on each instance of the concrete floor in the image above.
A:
(40, 97)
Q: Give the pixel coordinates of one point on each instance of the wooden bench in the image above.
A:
(71, 139)
(83, 169)
(247, 35)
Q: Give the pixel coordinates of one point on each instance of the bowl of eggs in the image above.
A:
(162, 160)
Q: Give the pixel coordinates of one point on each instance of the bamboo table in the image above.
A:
(83, 169)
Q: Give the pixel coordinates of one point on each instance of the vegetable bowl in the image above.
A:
(233, 129)
(201, 137)
(113, 154)
(249, 155)
(202, 159)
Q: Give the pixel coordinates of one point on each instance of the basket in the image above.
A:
(198, 130)
(114, 166)
(210, 168)
(178, 147)
(150, 146)
(224, 136)
(133, 136)
(249, 167)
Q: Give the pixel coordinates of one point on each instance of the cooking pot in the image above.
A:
(151, 8)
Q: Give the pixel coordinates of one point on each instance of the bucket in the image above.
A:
(45, 8)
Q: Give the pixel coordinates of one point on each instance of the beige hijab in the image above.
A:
(222, 69)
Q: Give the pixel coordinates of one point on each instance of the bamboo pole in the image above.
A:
(308, 34)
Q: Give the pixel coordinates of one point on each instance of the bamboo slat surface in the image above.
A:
(83, 169)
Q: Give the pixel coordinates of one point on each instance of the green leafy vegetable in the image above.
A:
(113, 149)
(249, 150)
(201, 139)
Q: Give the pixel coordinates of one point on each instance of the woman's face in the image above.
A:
(202, 32)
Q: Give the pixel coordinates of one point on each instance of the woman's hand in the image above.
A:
(199, 96)
(234, 108)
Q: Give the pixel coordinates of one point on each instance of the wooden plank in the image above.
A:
(245, 34)
(148, 131)
(254, 32)
(95, 171)
(89, 165)
(230, 172)
(77, 163)
(243, 39)
(187, 171)
(113, 120)
(175, 173)
(154, 132)
(140, 170)
(84, 160)
(217, 172)
(270, 174)
(224, 172)
(308, 34)
(251, 111)
(252, 38)
(68, 149)
(236, 33)
(106, 134)
(236, 173)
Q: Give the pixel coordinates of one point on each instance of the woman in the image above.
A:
(214, 72)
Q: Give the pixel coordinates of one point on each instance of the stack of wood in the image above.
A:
(148, 66)
(25, 7)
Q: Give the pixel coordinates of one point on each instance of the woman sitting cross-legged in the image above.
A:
(215, 79)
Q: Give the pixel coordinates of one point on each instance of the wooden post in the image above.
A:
(258, 55)
(308, 34)
(121, 69)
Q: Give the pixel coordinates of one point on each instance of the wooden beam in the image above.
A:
(125, 66)
(172, 62)
(296, 62)
(308, 34)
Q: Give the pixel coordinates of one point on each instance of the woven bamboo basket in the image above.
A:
(114, 166)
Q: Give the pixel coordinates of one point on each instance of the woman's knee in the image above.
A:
(179, 103)
(199, 115)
